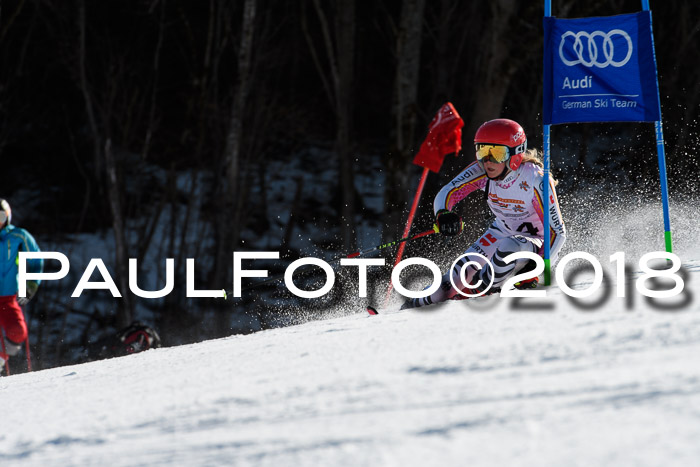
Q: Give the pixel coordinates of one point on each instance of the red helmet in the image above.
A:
(507, 133)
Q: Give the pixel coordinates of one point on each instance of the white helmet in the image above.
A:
(5, 213)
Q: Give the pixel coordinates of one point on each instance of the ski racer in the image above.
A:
(511, 178)
(12, 241)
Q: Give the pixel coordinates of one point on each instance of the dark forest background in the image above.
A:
(98, 96)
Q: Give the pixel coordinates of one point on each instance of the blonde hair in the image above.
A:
(535, 156)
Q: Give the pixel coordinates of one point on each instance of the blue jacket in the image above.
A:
(12, 241)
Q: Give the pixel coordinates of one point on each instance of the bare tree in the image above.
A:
(125, 312)
(234, 135)
(233, 189)
(496, 66)
(404, 114)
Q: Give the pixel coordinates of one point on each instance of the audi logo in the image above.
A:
(589, 56)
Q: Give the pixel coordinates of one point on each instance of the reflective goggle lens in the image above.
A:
(498, 153)
(3, 217)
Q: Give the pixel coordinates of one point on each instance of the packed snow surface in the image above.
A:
(493, 381)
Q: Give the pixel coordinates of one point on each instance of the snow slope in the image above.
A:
(482, 382)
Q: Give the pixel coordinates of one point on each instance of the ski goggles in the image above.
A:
(498, 153)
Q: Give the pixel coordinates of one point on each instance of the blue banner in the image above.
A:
(600, 69)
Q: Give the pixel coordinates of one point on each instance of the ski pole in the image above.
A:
(351, 255)
(387, 245)
(7, 359)
(29, 355)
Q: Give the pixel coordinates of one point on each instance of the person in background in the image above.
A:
(512, 180)
(12, 241)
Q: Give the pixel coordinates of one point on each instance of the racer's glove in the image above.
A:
(448, 223)
(32, 287)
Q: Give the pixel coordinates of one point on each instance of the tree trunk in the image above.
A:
(92, 121)
(235, 132)
(496, 65)
(344, 108)
(126, 312)
(340, 53)
(398, 161)
(229, 216)
(229, 213)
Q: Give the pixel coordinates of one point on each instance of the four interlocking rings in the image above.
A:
(592, 59)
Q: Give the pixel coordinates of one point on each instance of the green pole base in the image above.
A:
(669, 243)
(547, 273)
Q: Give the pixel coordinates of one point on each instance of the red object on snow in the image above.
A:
(444, 137)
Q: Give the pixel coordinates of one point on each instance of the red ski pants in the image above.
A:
(12, 319)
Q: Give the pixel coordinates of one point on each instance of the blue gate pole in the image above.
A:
(545, 188)
(661, 151)
(545, 205)
(664, 186)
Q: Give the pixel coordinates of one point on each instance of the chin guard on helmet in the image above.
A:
(515, 161)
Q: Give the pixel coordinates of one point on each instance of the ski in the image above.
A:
(372, 311)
